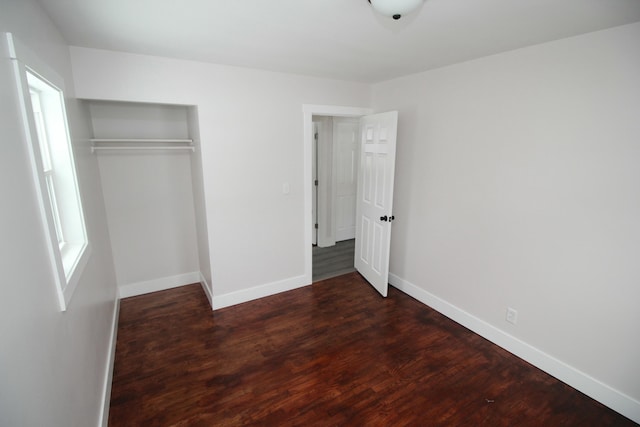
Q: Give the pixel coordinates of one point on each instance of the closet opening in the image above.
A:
(150, 166)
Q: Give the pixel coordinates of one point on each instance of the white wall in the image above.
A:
(251, 134)
(517, 185)
(346, 149)
(199, 202)
(325, 198)
(148, 197)
(52, 363)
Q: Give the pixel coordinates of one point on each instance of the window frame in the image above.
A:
(60, 203)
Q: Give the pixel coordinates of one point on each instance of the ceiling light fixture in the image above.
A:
(395, 8)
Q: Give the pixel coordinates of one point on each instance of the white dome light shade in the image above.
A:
(395, 8)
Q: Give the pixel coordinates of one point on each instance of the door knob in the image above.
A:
(383, 218)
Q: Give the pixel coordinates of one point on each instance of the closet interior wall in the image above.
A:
(149, 194)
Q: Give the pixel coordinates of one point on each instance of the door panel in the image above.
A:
(374, 200)
(345, 137)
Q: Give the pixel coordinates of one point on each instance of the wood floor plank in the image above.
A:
(331, 354)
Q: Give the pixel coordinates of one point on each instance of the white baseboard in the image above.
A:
(346, 234)
(207, 289)
(238, 297)
(160, 284)
(588, 385)
(108, 375)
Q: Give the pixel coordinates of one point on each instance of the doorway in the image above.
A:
(336, 142)
(309, 111)
(334, 260)
(335, 160)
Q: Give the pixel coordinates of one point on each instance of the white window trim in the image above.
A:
(71, 258)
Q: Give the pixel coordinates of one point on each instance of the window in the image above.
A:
(47, 168)
(40, 99)
(53, 157)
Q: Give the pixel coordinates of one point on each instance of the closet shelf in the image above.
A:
(139, 144)
(141, 140)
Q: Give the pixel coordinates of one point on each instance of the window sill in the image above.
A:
(74, 259)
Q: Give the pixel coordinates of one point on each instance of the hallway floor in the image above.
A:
(334, 260)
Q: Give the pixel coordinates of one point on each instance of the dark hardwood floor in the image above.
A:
(331, 354)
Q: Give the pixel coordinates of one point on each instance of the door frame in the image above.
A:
(308, 111)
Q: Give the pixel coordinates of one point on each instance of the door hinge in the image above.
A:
(315, 182)
(316, 225)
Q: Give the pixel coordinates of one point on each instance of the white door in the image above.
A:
(375, 197)
(345, 162)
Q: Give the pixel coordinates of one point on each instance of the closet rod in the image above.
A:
(94, 149)
(144, 140)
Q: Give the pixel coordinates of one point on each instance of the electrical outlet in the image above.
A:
(512, 315)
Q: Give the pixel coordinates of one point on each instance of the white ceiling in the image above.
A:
(341, 39)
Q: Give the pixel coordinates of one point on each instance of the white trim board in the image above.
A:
(206, 289)
(108, 375)
(160, 284)
(260, 291)
(581, 381)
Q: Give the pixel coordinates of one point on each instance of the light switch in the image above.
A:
(285, 188)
